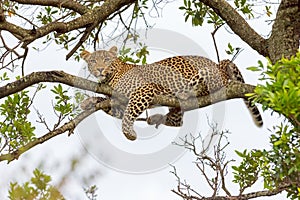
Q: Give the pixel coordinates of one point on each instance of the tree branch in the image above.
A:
(67, 127)
(238, 24)
(232, 90)
(69, 4)
(53, 76)
(92, 16)
(284, 40)
(252, 195)
(95, 16)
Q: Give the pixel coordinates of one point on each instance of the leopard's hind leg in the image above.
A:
(173, 118)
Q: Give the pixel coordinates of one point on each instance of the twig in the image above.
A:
(214, 40)
(83, 38)
(23, 61)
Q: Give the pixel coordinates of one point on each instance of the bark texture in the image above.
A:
(284, 40)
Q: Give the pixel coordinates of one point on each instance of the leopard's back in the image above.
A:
(181, 76)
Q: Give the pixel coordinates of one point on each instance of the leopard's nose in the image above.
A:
(99, 72)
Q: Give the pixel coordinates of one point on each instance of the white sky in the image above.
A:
(148, 186)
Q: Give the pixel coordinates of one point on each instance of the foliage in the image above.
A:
(4, 77)
(281, 91)
(127, 54)
(281, 164)
(38, 188)
(15, 128)
(62, 104)
(244, 7)
(198, 12)
(233, 51)
(91, 192)
(278, 166)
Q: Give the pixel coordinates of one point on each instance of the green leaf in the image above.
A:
(253, 68)
(240, 153)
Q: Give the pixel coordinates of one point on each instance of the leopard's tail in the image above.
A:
(234, 73)
(256, 116)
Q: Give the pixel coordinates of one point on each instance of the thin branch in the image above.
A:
(214, 40)
(67, 127)
(238, 24)
(23, 61)
(222, 173)
(22, 17)
(83, 38)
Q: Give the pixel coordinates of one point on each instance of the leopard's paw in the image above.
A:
(130, 135)
(156, 120)
(90, 102)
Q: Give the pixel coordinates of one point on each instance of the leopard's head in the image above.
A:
(100, 62)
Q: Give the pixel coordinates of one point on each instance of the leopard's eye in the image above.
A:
(92, 61)
(106, 59)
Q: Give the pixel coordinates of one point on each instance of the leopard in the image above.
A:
(182, 77)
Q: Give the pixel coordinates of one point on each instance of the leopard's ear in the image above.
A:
(85, 55)
(114, 50)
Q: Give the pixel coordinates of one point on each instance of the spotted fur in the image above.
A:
(180, 76)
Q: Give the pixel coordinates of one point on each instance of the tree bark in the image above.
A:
(232, 90)
(284, 40)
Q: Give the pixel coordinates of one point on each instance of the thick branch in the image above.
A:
(69, 4)
(53, 76)
(17, 31)
(94, 16)
(284, 40)
(238, 24)
(232, 90)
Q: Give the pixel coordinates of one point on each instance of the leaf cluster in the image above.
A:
(281, 91)
(62, 104)
(15, 128)
(244, 7)
(38, 188)
(279, 166)
(199, 12)
(128, 54)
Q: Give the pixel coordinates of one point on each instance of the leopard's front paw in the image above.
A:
(90, 102)
(130, 134)
(156, 120)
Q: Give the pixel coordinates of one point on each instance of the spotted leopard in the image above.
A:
(180, 76)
